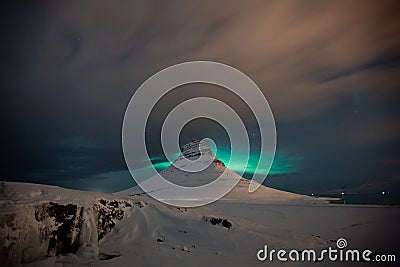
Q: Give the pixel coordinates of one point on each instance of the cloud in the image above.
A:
(70, 68)
(303, 55)
(374, 131)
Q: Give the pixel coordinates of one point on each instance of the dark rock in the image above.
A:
(108, 213)
(219, 221)
(226, 224)
(218, 162)
(103, 256)
(140, 203)
(68, 221)
(215, 221)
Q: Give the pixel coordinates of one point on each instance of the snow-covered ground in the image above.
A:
(149, 233)
(50, 226)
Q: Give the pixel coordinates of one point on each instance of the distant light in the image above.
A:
(383, 192)
(342, 193)
(312, 194)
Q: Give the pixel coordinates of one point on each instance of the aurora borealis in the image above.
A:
(282, 164)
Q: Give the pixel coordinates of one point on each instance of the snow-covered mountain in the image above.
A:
(193, 150)
(51, 226)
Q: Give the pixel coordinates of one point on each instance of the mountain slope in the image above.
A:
(239, 192)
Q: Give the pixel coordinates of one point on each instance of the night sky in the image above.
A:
(329, 69)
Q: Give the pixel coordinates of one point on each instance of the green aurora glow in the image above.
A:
(282, 164)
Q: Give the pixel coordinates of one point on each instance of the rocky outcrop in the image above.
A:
(194, 149)
(108, 213)
(50, 229)
(219, 221)
(62, 234)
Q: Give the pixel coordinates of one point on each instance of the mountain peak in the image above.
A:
(194, 149)
(197, 157)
